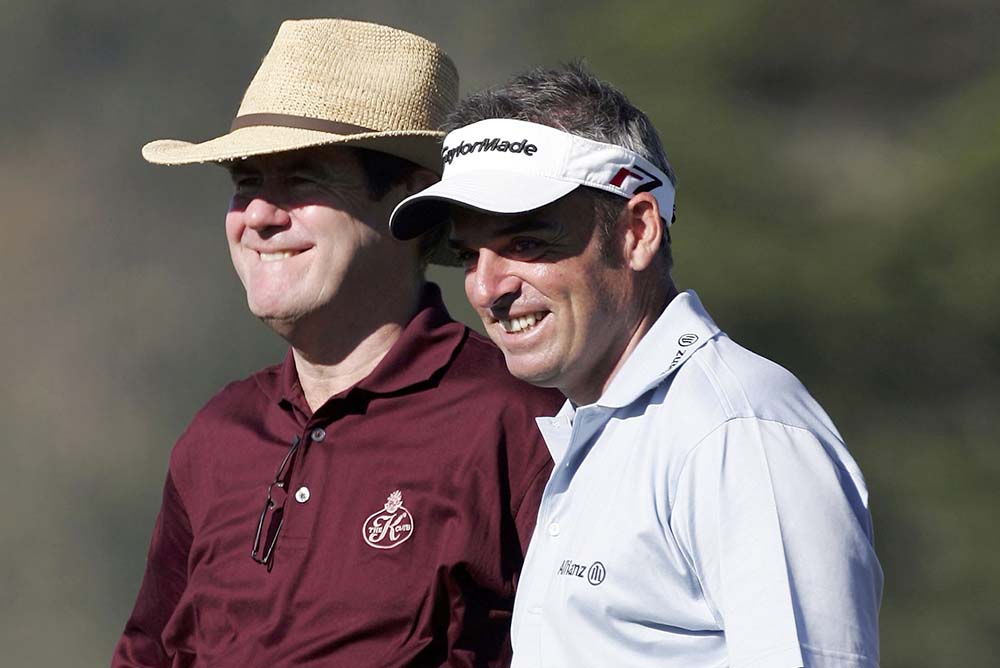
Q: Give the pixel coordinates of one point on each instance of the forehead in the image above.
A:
(570, 214)
(319, 159)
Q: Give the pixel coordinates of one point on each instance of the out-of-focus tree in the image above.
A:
(836, 210)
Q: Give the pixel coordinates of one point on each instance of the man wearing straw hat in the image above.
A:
(702, 510)
(368, 501)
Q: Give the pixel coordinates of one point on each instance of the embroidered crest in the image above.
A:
(389, 527)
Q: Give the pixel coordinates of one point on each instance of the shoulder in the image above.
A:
(479, 366)
(235, 404)
(235, 400)
(737, 407)
(725, 396)
(491, 406)
(730, 382)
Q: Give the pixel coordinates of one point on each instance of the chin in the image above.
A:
(282, 321)
(531, 373)
(270, 306)
(283, 326)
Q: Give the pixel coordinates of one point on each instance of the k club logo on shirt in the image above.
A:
(488, 144)
(389, 527)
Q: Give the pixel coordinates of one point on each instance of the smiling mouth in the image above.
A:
(521, 323)
(275, 257)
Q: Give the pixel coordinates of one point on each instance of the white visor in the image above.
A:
(505, 166)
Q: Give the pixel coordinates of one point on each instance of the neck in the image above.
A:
(333, 354)
(651, 303)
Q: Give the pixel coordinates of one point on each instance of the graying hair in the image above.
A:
(570, 98)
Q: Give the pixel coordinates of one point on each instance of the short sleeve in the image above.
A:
(162, 586)
(779, 535)
(526, 510)
(529, 463)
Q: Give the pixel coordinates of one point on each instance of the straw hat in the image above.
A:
(332, 81)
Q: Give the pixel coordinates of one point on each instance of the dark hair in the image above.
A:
(383, 172)
(572, 99)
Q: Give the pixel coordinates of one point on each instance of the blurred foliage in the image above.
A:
(836, 211)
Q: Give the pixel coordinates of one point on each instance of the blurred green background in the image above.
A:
(837, 212)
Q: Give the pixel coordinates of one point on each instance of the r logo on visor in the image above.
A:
(643, 186)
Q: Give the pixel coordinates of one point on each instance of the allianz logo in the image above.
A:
(594, 573)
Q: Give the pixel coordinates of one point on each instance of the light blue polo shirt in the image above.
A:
(703, 512)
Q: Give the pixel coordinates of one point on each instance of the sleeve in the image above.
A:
(525, 509)
(779, 535)
(162, 586)
(530, 463)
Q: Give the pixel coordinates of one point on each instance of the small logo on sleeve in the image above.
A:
(389, 527)
(687, 340)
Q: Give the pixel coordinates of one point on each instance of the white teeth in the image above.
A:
(274, 257)
(521, 323)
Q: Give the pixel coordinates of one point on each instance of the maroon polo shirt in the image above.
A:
(409, 505)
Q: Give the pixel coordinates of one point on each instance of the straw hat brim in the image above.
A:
(422, 147)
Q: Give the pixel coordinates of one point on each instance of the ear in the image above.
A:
(419, 179)
(643, 231)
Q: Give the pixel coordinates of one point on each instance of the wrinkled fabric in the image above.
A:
(420, 484)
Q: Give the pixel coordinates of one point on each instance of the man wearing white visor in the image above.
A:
(703, 509)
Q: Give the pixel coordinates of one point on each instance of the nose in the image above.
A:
(261, 213)
(490, 284)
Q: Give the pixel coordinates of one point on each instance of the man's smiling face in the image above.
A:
(302, 231)
(546, 292)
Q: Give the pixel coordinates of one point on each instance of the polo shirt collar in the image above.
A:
(682, 328)
(426, 345)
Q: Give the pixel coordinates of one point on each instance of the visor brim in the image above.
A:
(497, 192)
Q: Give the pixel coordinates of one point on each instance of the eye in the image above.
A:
(525, 247)
(246, 184)
(467, 258)
(299, 180)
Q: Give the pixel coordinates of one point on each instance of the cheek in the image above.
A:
(469, 281)
(234, 227)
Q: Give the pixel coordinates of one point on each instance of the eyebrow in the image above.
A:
(305, 164)
(518, 226)
(240, 168)
(298, 165)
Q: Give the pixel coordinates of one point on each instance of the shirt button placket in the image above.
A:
(303, 493)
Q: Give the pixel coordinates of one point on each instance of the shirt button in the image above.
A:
(554, 529)
(318, 435)
(302, 494)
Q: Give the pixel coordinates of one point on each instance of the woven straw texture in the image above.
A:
(396, 84)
